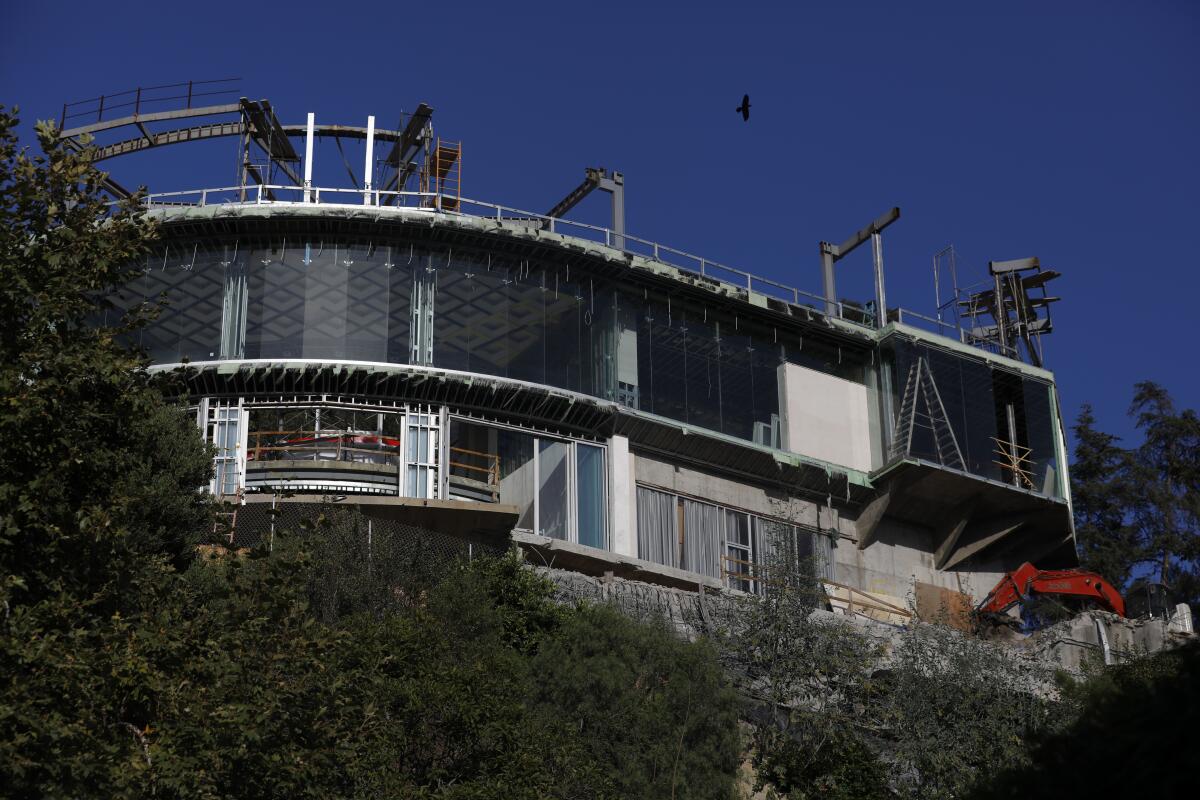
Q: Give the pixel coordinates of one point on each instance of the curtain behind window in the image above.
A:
(703, 527)
(656, 526)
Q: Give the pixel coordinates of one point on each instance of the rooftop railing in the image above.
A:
(433, 202)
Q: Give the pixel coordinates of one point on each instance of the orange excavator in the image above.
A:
(1075, 587)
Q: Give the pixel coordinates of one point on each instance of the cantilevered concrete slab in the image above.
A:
(489, 522)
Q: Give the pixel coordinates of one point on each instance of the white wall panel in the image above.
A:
(825, 417)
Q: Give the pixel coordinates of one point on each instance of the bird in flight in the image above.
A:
(744, 108)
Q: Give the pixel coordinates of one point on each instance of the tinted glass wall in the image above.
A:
(966, 414)
(545, 322)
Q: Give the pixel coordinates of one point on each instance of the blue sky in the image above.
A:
(1067, 130)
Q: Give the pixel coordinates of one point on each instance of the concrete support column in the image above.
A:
(622, 498)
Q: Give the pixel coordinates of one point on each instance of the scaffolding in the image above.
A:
(441, 176)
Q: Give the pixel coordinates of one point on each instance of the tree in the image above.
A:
(1137, 511)
(656, 713)
(1166, 511)
(1129, 731)
(808, 680)
(1101, 492)
(955, 710)
(97, 469)
(843, 711)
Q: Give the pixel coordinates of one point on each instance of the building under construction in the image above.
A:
(614, 405)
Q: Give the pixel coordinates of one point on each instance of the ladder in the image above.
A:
(920, 387)
(225, 520)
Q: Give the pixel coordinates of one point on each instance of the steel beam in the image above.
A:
(157, 116)
(269, 134)
(602, 179)
(409, 138)
(881, 222)
(831, 254)
(168, 137)
(576, 195)
(343, 132)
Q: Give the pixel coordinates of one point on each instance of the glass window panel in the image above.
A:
(481, 450)
(703, 537)
(552, 489)
(488, 319)
(830, 357)
(657, 527)
(662, 362)
(702, 373)
(1043, 466)
(564, 332)
(399, 260)
(516, 474)
(454, 315)
(326, 302)
(737, 529)
(589, 476)
(598, 341)
(368, 295)
(276, 280)
(191, 281)
(970, 409)
(526, 326)
(749, 387)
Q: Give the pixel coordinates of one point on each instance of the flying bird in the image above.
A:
(744, 108)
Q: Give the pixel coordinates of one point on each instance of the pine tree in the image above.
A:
(1166, 488)
(1101, 494)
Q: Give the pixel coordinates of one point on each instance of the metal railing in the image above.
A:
(360, 448)
(487, 473)
(142, 96)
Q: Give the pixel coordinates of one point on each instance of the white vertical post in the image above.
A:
(880, 298)
(622, 499)
(308, 147)
(368, 168)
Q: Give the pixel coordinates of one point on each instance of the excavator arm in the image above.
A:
(1028, 581)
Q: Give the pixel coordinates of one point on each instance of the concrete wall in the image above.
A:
(825, 417)
(902, 554)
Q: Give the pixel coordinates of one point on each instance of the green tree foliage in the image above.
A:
(956, 710)
(1101, 492)
(1137, 511)
(1129, 731)
(809, 680)
(924, 713)
(95, 466)
(655, 712)
(598, 704)
(1167, 488)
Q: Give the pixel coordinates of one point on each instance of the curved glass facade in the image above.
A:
(546, 322)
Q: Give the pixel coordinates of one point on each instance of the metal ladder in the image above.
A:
(921, 386)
